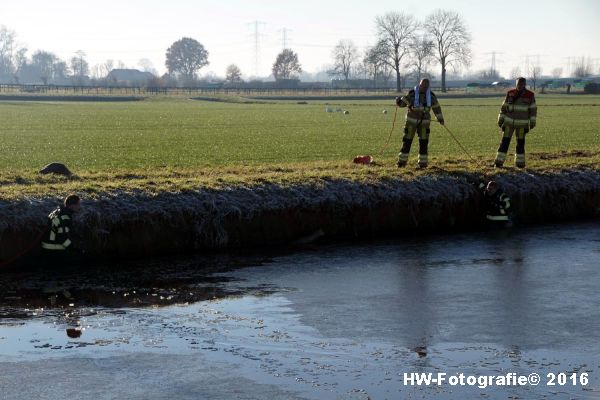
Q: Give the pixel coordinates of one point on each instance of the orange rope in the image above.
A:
(461, 146)
(390, 135)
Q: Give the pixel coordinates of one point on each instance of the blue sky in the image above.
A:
(131, 30)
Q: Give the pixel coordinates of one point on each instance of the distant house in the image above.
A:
(129, 77)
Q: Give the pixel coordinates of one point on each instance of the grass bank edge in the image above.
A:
(18, 185)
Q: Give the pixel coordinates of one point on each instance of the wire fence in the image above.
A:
(179, 91)
(69, 90)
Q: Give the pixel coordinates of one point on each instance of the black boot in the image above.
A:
(403, 156)
(502, 150)
(423, 161)
(520, 156)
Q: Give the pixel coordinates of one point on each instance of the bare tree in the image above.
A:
(421, 52)
(8, 49)
(79, 64)
(515, 73)
(345, 55)
(96, 71)
(20, 58)
(376, 61)
(359, 69)
(147, 66)
(582, 68)
(233, 74)
(107, 66)
(386, 73)
(60, 71)
(394, 32)
(286, 65)
(44, 62)
(489, 74)
(557, 72)
(373, 61)
(535, 72)
(451, 40)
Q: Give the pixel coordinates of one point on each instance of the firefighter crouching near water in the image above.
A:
(57, 240)
(517, 116)
(420, 101)
(497, 203)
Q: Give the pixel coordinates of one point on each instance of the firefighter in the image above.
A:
(57, 240)
(420, 101)
(497, 203)
(517, 116)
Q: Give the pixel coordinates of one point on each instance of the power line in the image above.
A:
(284, 37)
(535, 61)
(493, 69)
(257, 37)
(568, 65)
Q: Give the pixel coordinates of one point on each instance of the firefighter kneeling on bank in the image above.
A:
(517, 116)
(420, 101)
(497, 203)
(57, 240)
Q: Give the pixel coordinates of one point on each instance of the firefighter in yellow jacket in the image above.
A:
(517, 116)
(420, 101)
(57, 247)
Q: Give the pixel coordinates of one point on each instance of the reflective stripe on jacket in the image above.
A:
(518, 110)
(421, 115)
(58, 235)
(496, 204)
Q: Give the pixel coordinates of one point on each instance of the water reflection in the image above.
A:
(336, 320)
(157, 282)
(74, 333)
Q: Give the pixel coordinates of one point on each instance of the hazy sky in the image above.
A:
(135, 29)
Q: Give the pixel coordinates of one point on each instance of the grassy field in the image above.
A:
(174, 143)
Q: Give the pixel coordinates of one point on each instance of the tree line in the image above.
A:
(402, 43)
(404, 49)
